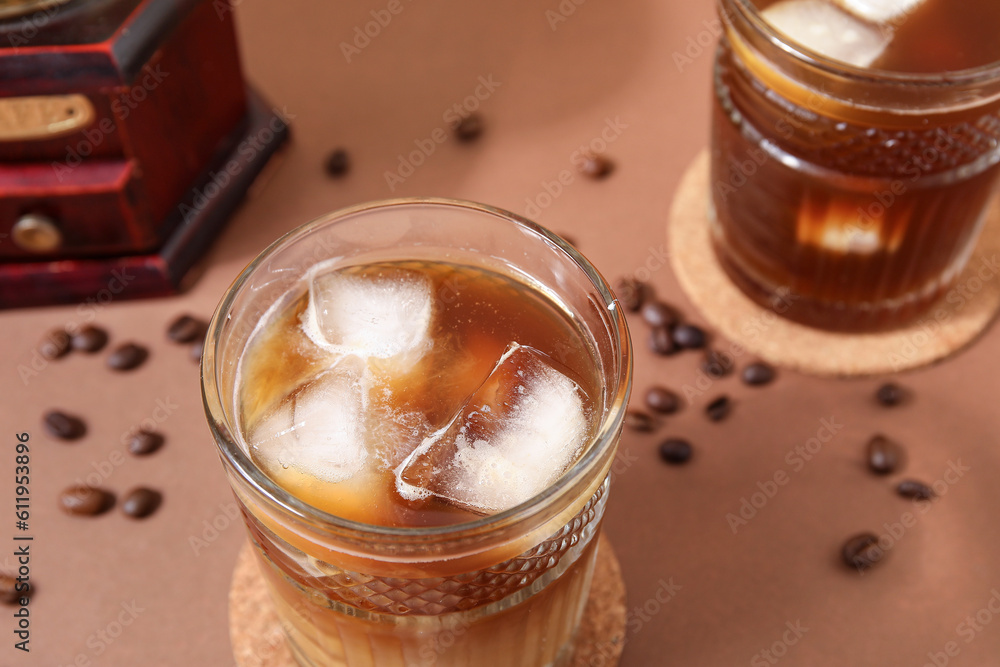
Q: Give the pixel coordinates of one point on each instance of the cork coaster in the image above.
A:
(258, 640)
(951, 324)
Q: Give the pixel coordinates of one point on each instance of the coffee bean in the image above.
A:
(758, 373)
(890, 394)
(337, 163)
(719, 409)
(689, 336)
(186, 329)
(662, 400)
(126, 357)
(56, 344)
(8, 589)
(89, 339)
(141, 502)
(657, 314)
(144, 442)
(675, 451)
(631, 293)
(662, 343)
(197, 349)
(910, 488)
(862, 551)
(85, 500)
(64, 426)
(639, 421)
(596, 166)
(717, 364)
(468, 128)
(884, 455)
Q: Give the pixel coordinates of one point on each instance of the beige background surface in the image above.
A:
(559, 87)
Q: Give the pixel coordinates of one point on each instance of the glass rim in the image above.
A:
(237, 459)
(987, 73)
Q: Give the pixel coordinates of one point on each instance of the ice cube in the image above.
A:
(835, 225)
(829, 30)
(318, 430)
(513, 437)
(880, 11)
(382, 316)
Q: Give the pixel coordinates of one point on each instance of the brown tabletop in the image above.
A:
(551, 77)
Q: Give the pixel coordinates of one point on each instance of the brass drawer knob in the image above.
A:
(36, 233)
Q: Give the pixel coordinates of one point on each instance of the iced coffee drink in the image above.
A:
(855, 151)
(417, 403)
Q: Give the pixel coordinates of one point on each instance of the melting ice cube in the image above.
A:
(382, 316)
(513, 437)
(829, 30)
(880, 11)
(318, 430)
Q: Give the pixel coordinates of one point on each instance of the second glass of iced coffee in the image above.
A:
(855, 152)
(417, 403)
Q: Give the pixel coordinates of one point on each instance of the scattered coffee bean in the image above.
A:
(126, 357)
(145, 442)
(758, 373)
(910, 488)
(197, 349)
(689, 336)
(884, 455)
(719, 409)
(675, 451)
(337, 163)
(862, 551)
(141, 502)
(89, 339)
(657, 314)
(662, 342)
(890, 394)
(631, 293)
(639, 421)
(596, 166)
(717, 364)
(8, 589)
(186, 329)
(55, 344)
(662, 400)
(85, 500)
(468, 128)
(64, 426)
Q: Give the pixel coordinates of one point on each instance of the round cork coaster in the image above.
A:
(258, 640)
(952, 323)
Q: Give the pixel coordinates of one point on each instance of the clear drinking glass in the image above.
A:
(500, 591)
(860, 190)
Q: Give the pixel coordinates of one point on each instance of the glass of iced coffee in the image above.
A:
(417, 403)
(855, 150)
